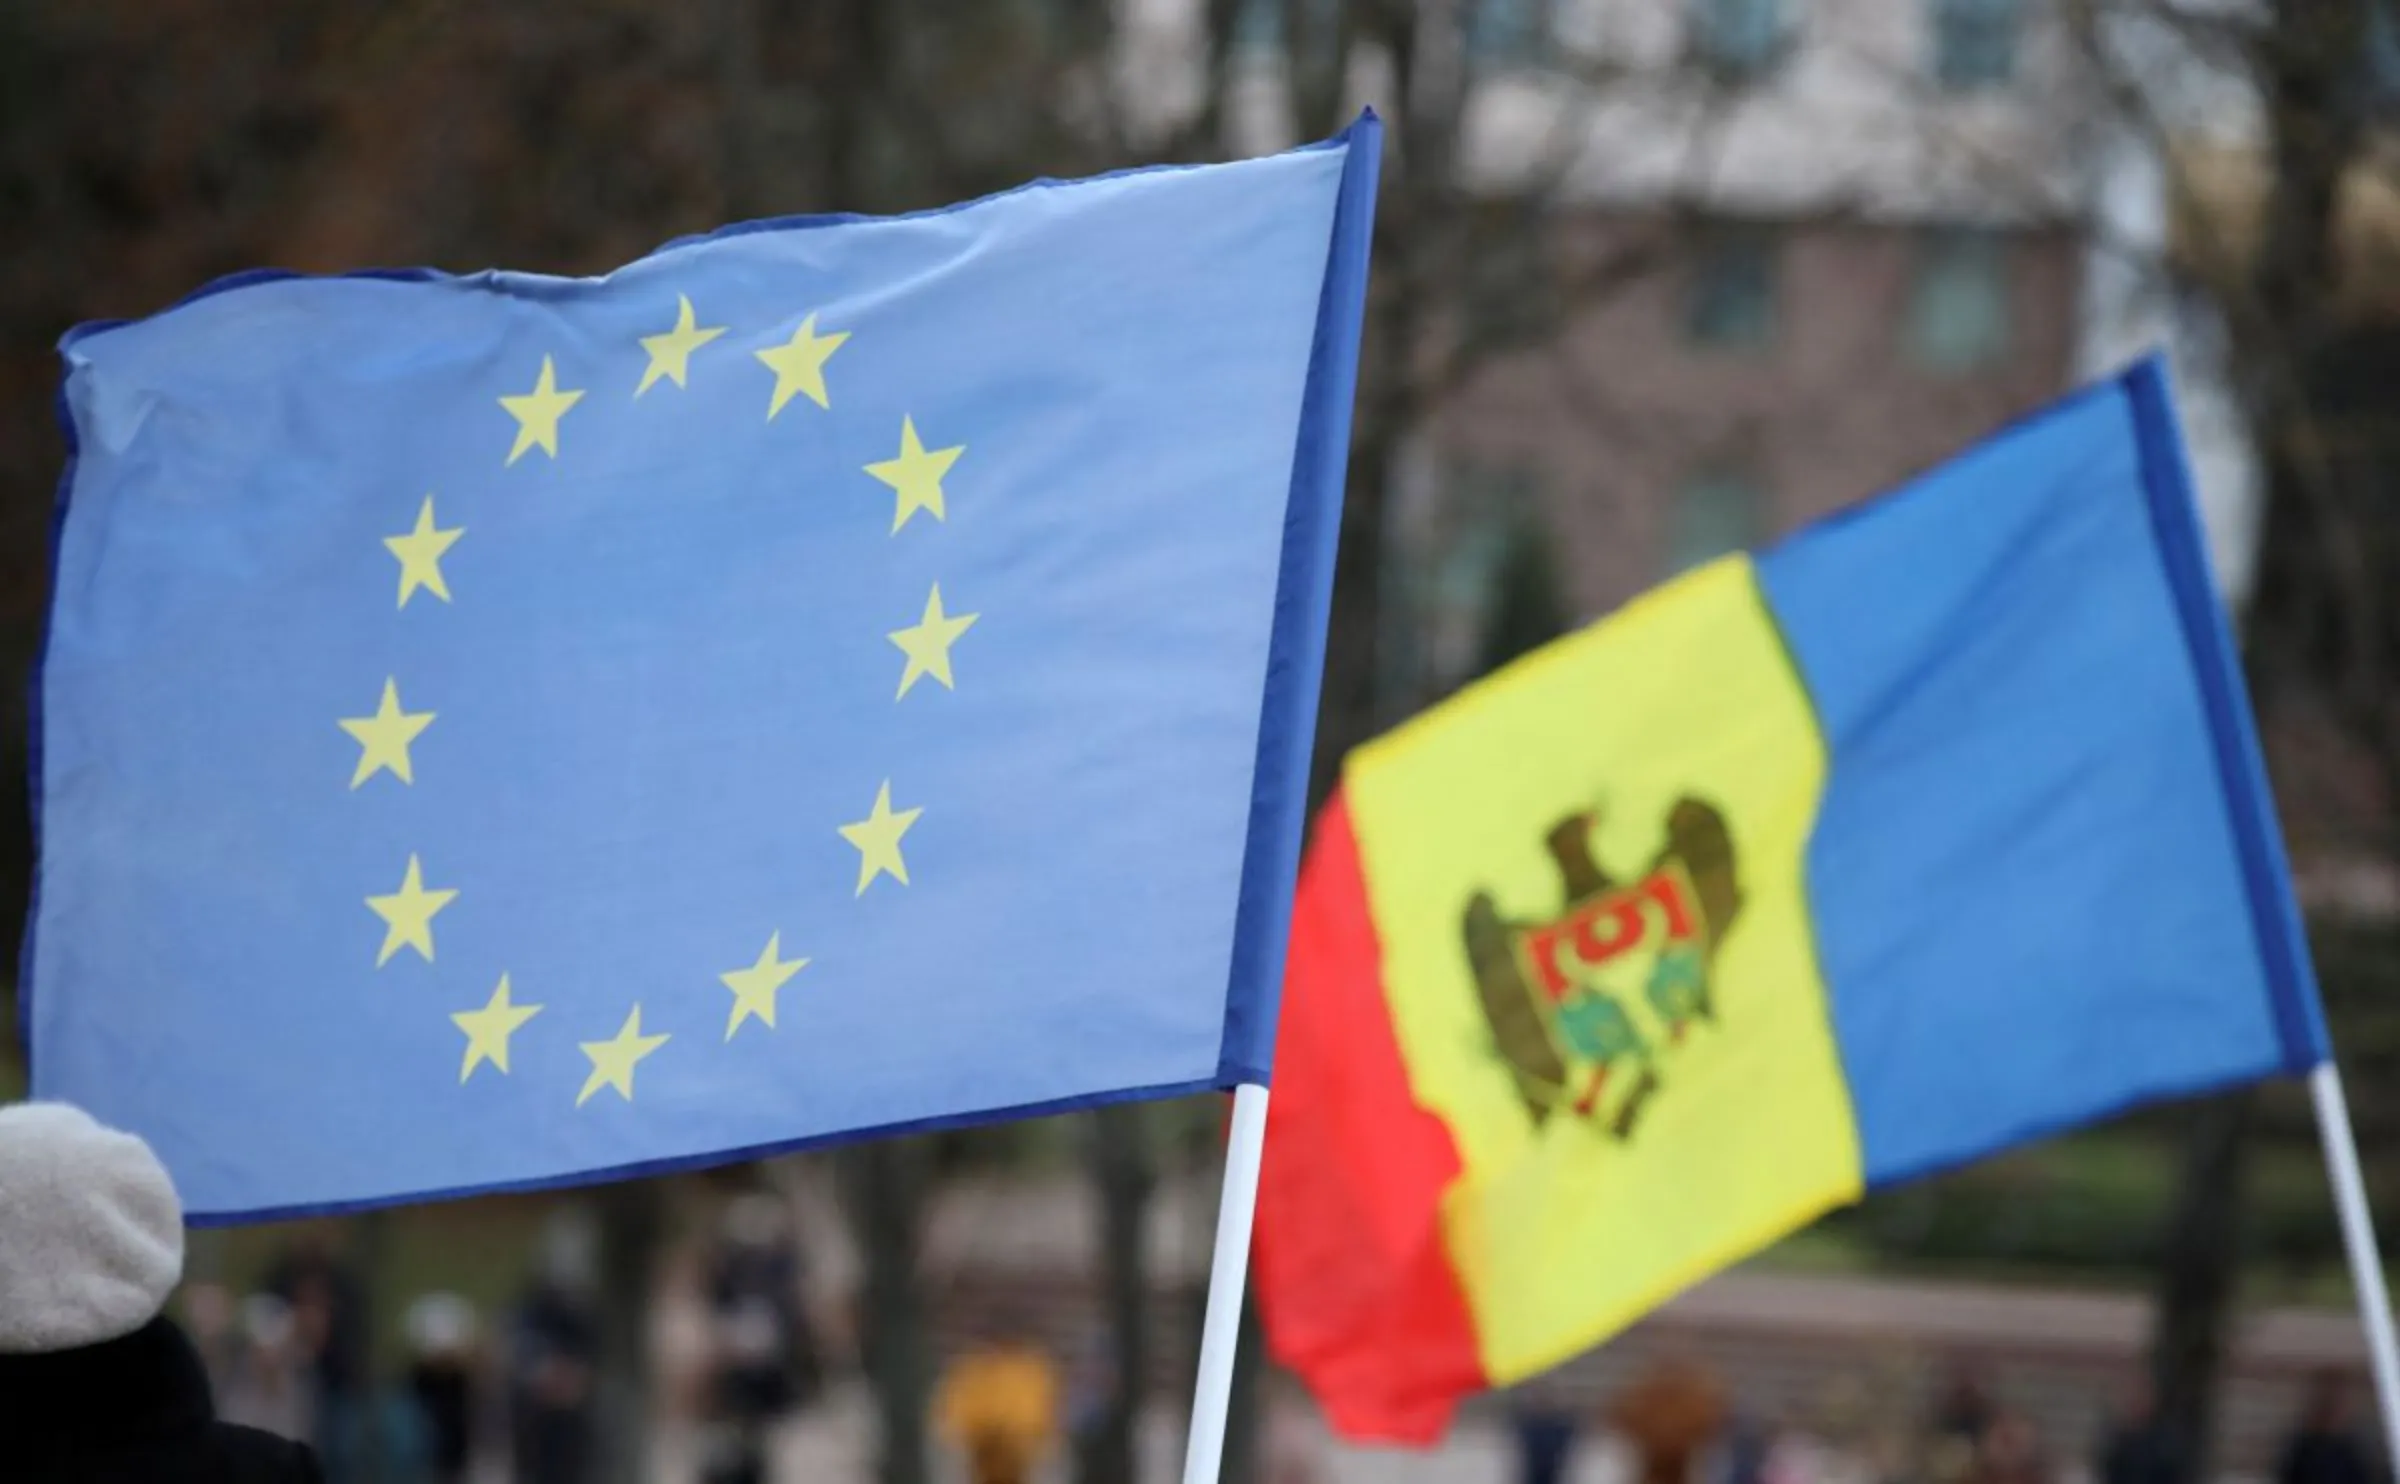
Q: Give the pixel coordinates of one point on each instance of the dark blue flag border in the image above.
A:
(2241, 765)
(1287, 722)
(1287, 715)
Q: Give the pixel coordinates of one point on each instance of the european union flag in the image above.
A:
(829, 676)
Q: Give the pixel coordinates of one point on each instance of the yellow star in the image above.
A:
(754, 987)
(927, 645)
(878, 840)
(537, 413)
(799, 364)
(384, 737)
(917, 475)
(613, 1060)
(671, 353)
(420, 554)
(408, 915)
(489, 1028)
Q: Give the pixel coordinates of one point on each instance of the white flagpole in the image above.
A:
(1228, 1272)
(2358, 1237)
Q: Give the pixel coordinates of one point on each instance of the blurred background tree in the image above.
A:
(1614, 329)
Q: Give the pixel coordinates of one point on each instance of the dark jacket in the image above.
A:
(134, 1410)
(2324, 1456)
(2138, 1450)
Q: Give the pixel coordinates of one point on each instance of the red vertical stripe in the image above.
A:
(1352, 1274)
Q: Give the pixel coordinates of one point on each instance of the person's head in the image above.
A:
(2012, 1442)
(208, 1311)
(91, 1231)
(441, 1327)
(268, 1327)
(569, 1260)
(754, 1222)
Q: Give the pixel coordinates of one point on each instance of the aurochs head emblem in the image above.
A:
(1588, 1007)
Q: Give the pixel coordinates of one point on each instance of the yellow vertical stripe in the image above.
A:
(1587, 876)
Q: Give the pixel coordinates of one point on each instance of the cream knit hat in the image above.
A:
(91, 1232)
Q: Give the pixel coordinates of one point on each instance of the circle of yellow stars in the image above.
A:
(915, 477)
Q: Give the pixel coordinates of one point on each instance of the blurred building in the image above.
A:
(1789, 252)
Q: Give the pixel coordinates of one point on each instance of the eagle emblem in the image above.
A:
(1588, 1007)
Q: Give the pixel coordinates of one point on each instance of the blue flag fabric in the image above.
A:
(2046, 877)
(830, 676)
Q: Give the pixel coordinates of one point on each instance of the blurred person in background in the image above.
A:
(2325, 1447)
(1742, 1450)
(2137, 1448)
(1947, 1459)
(1544, 1426)
(1670, 1416)
(1788, 1457)
(1292, 1449)
(328, 1315)
(1839, 1448)
(1843, 1412)
(1795, 1455)
(265, 1381)
(763, 1357)
(208, 1318)
(998, 1404)
(97, 1385)
(441, 1382)
(1890, 1457)
(2012, 1452)
(1091, 1398)
(1963, 1413)
(554, 1348)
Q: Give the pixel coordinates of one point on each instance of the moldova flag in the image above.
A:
(1937, 828)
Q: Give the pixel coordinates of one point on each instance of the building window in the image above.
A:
(1470, 559)
(1528, 605)
(1258, 25)
(1507, 32)
(2382, 56)
(1508, 289)
(1270, 25)
(1717, 512)
(1958, 312)
(1736, 40)
(1975, 42)
(1732, 303)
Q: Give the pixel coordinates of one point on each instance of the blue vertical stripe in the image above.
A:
(2044, 876)
(2266, 872)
